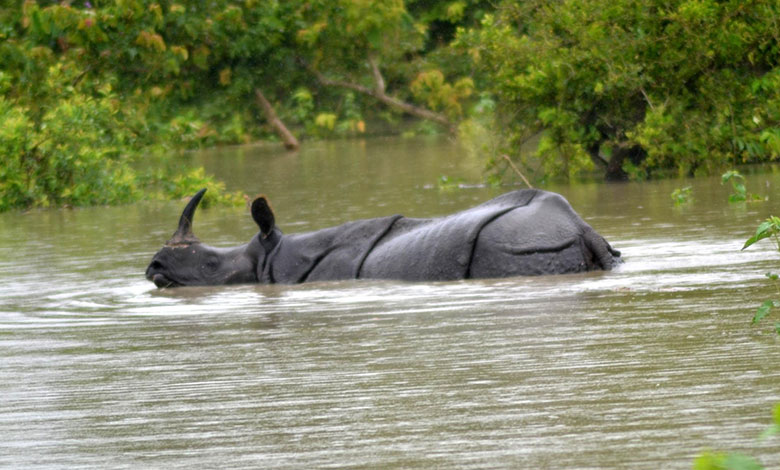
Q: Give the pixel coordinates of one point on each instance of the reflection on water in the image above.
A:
(641, 367)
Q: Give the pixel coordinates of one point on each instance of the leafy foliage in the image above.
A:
(724, 461)
(90, 87)
(186, 184)
(439, 95)
(774, 429)
(735, 461)
(633, 89)
(638, 88)
(770, 228)
(73, 157)
(740, 193)
(682, 196)
(82, 103)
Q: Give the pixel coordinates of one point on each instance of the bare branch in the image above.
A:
(516, 170)
(378, 79)
(379, 94)
(290, 142)
(647, 98)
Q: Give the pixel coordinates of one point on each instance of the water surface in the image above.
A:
(642, 367)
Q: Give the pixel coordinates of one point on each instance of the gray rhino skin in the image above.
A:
(526, 232)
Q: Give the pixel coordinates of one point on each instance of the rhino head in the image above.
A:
(185, 261)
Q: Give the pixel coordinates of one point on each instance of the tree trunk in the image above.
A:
(620, 153)
(290, 142)
(594, 150)
(613, 168)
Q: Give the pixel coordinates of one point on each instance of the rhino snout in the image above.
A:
(154, 274)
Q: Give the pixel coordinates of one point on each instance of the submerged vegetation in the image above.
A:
(682, 195)
(736, 461)
(740, 193)
(768, 229)
(92, 90)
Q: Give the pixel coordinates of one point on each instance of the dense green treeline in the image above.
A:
(91, 89)
(635, 88)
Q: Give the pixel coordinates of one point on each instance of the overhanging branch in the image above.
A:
(378, 92)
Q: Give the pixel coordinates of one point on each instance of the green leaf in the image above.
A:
(772, 430)
(374, 38)
(721, 461)
(741, 462)
(763, 311)
(763, 231)
(708, 461)
(725, 177)
(682, 195)
(776, 414)
(733, 198)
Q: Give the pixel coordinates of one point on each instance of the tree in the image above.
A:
(635, 88)
(369, 47)
(73, 115)
(109, 80)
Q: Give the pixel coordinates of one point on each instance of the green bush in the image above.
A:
(637, 88)
(187, 184)
(75, 122)
(70, 159)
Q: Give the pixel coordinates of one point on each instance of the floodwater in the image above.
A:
(643, 367)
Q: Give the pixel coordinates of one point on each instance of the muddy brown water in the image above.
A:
(642, 367)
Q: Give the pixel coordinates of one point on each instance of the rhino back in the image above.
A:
(544, 237)
(329, 254)
(437, 249)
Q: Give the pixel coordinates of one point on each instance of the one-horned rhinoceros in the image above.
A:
(526, 232)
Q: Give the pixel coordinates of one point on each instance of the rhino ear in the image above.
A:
(184, 234)
(263, 215)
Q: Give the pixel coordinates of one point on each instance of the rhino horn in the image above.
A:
(184, 234)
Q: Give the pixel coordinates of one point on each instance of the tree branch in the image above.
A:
(516, 170)
(290, 142)
(378, 79)
(647, 98)
(379, 94)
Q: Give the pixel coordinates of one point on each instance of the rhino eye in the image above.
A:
(212, 263)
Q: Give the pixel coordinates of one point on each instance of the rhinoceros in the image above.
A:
(524, 232)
